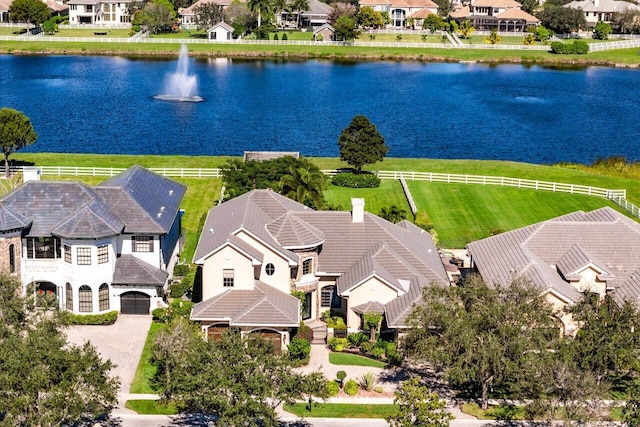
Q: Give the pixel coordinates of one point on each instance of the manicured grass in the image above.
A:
(151, 407)
(464, 213)
(342, 410)
(389, 193)
(500, 412)
(85, 32)
(348, 359)
(146, 370)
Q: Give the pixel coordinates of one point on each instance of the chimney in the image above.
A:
(357, 210)
(31, 173)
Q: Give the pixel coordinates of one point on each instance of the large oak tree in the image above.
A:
(16, 132)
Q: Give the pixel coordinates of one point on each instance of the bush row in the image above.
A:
(577, 47)
(353, 180)
(108, 318)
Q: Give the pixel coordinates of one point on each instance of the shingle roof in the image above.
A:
(130, 270)
(264, 305)
(606, 237)
(11, 220)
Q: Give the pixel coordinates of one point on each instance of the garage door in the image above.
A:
(134, 303)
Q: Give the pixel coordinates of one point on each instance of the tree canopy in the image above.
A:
(158, 15)
(418, 407)
(361, 143)
(16, 132)
(238, 378)
(29, 11)
(562, 20)
(43, 379)
(207, 15)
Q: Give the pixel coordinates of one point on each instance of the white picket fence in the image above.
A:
(621, 44)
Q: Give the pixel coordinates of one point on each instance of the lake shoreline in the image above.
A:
(479, 56)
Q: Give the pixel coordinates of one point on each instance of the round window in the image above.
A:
(270, 269)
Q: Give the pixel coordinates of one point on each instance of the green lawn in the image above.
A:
(146, 370)
(389, 193)
(342, 410)
(84, 32)
(151, 407)
(464, 213)
(348, 359)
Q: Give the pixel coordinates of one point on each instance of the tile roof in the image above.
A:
(602, 5)
(262, 306)
(369, 307)
(291, 232)
(516, 13)
(11, 220)
(496, 3)
(130, 270)
(93, 221)
(605, 237)
(190, 10)
(462, 12)
(223, 25)
(424, 12)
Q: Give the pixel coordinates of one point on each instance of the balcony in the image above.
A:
(40, 265)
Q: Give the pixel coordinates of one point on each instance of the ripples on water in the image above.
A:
(510, 112)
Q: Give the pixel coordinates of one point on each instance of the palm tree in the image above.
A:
(465, 29)
(304, 185)
(393, 214)
(300, 6)
(259, 6)
(277, 6)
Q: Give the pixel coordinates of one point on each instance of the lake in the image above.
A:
(535, 114)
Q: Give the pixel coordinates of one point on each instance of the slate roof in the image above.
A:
(603, 237)
(130, 270)
(291, 232)
(402, 254)
(135, 201)
(11, 220)
(262, 306)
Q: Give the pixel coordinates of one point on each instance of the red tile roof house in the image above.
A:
(503, 15)
(257, 248)
(97, 249)
(400, 10)
(597, 251)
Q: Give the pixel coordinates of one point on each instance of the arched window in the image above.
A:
(307, 266)
(85, 299)
(12, 258)
(69, 294)
(103, 296)
(329, 297)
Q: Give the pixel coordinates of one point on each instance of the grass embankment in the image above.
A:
(151, 407)
(146, 370)
(518, 413)
(341, 410)
(347, 359)
(622, 56)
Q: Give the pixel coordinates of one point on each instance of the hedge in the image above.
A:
(577, 47)
(352, 180)
(108, 318)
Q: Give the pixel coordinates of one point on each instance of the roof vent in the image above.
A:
(162, 209)
(159, 214)
(211, 230)
(171, 192)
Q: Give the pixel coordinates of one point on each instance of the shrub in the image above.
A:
(275, 37)
(299, 349)
(176, 309)
(394, 357)
(319, 38)
(332, 388)
(377, 352)
(601, 31)
(580, 47)
(108, 318)
(338, 344)
(353, 180)
(367, 381)
(159, 315)
(357, 338)
(423, 221)
(180, 288)
(351, 388)
(378, 389)
(336, 322)
(304, 332)
(181, 270)
(284, 37)
(341, 375)
(558, 48)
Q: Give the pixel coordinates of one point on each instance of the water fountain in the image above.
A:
(181, 86)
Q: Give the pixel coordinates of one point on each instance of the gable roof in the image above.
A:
(223, 25)
(603, 237)
(262, 306)
(326, 26)
(130, 270)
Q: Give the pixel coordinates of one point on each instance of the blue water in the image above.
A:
(439, 110)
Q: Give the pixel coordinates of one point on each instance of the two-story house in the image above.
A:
(99, 11)
(96, 249)
(257, 249)
(400, 11)
(597, 251)
(602, 10)
(502, 15)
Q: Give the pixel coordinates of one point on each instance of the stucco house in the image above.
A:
(602, 10)
(99, 11)
(400, 10)
(503, 15)
(188, 15)
(221, 32)
(597, 251)
(96, 249)
(258, 248)
(56, 7)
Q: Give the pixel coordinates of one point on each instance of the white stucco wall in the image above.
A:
(371, 290)
(226, 258)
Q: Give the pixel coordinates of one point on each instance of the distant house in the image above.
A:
(99, 11)
(258, 248)
(601, 10)
(221, 32)
(597, 251)
(4, 10)
(188, 15)
(502, 15)
(56, 7)
(315, 17)
(324, 33)
(400, 10)
(94, 249)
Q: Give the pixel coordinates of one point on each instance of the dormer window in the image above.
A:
(307, 266)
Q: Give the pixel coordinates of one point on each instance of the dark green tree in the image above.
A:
(43, 379)
(16, 132)
(345, 27)
(445, 7)
(631, 410)
(480, 335)
(433, 23)
(562, 20)
(238, 378)
(601, 31)
(418, 407)
(393, 213)
(361, 143)
(157, 15)
(529, 6)
(369, 18)
(207, 15)
(29, 11)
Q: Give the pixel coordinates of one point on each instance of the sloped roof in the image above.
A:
(94, 221)
(602, 6)
(130, 270)
(5, 4)
(424, 12)
(316, 7)
(324, 27)
(608, 237)
(577, 259)
(463, 12)
(190, 10)
(369, 307)
(517, 13)
(11, 220)
(291, 232)
(222, 24)
(496, 3)
(262, 306)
